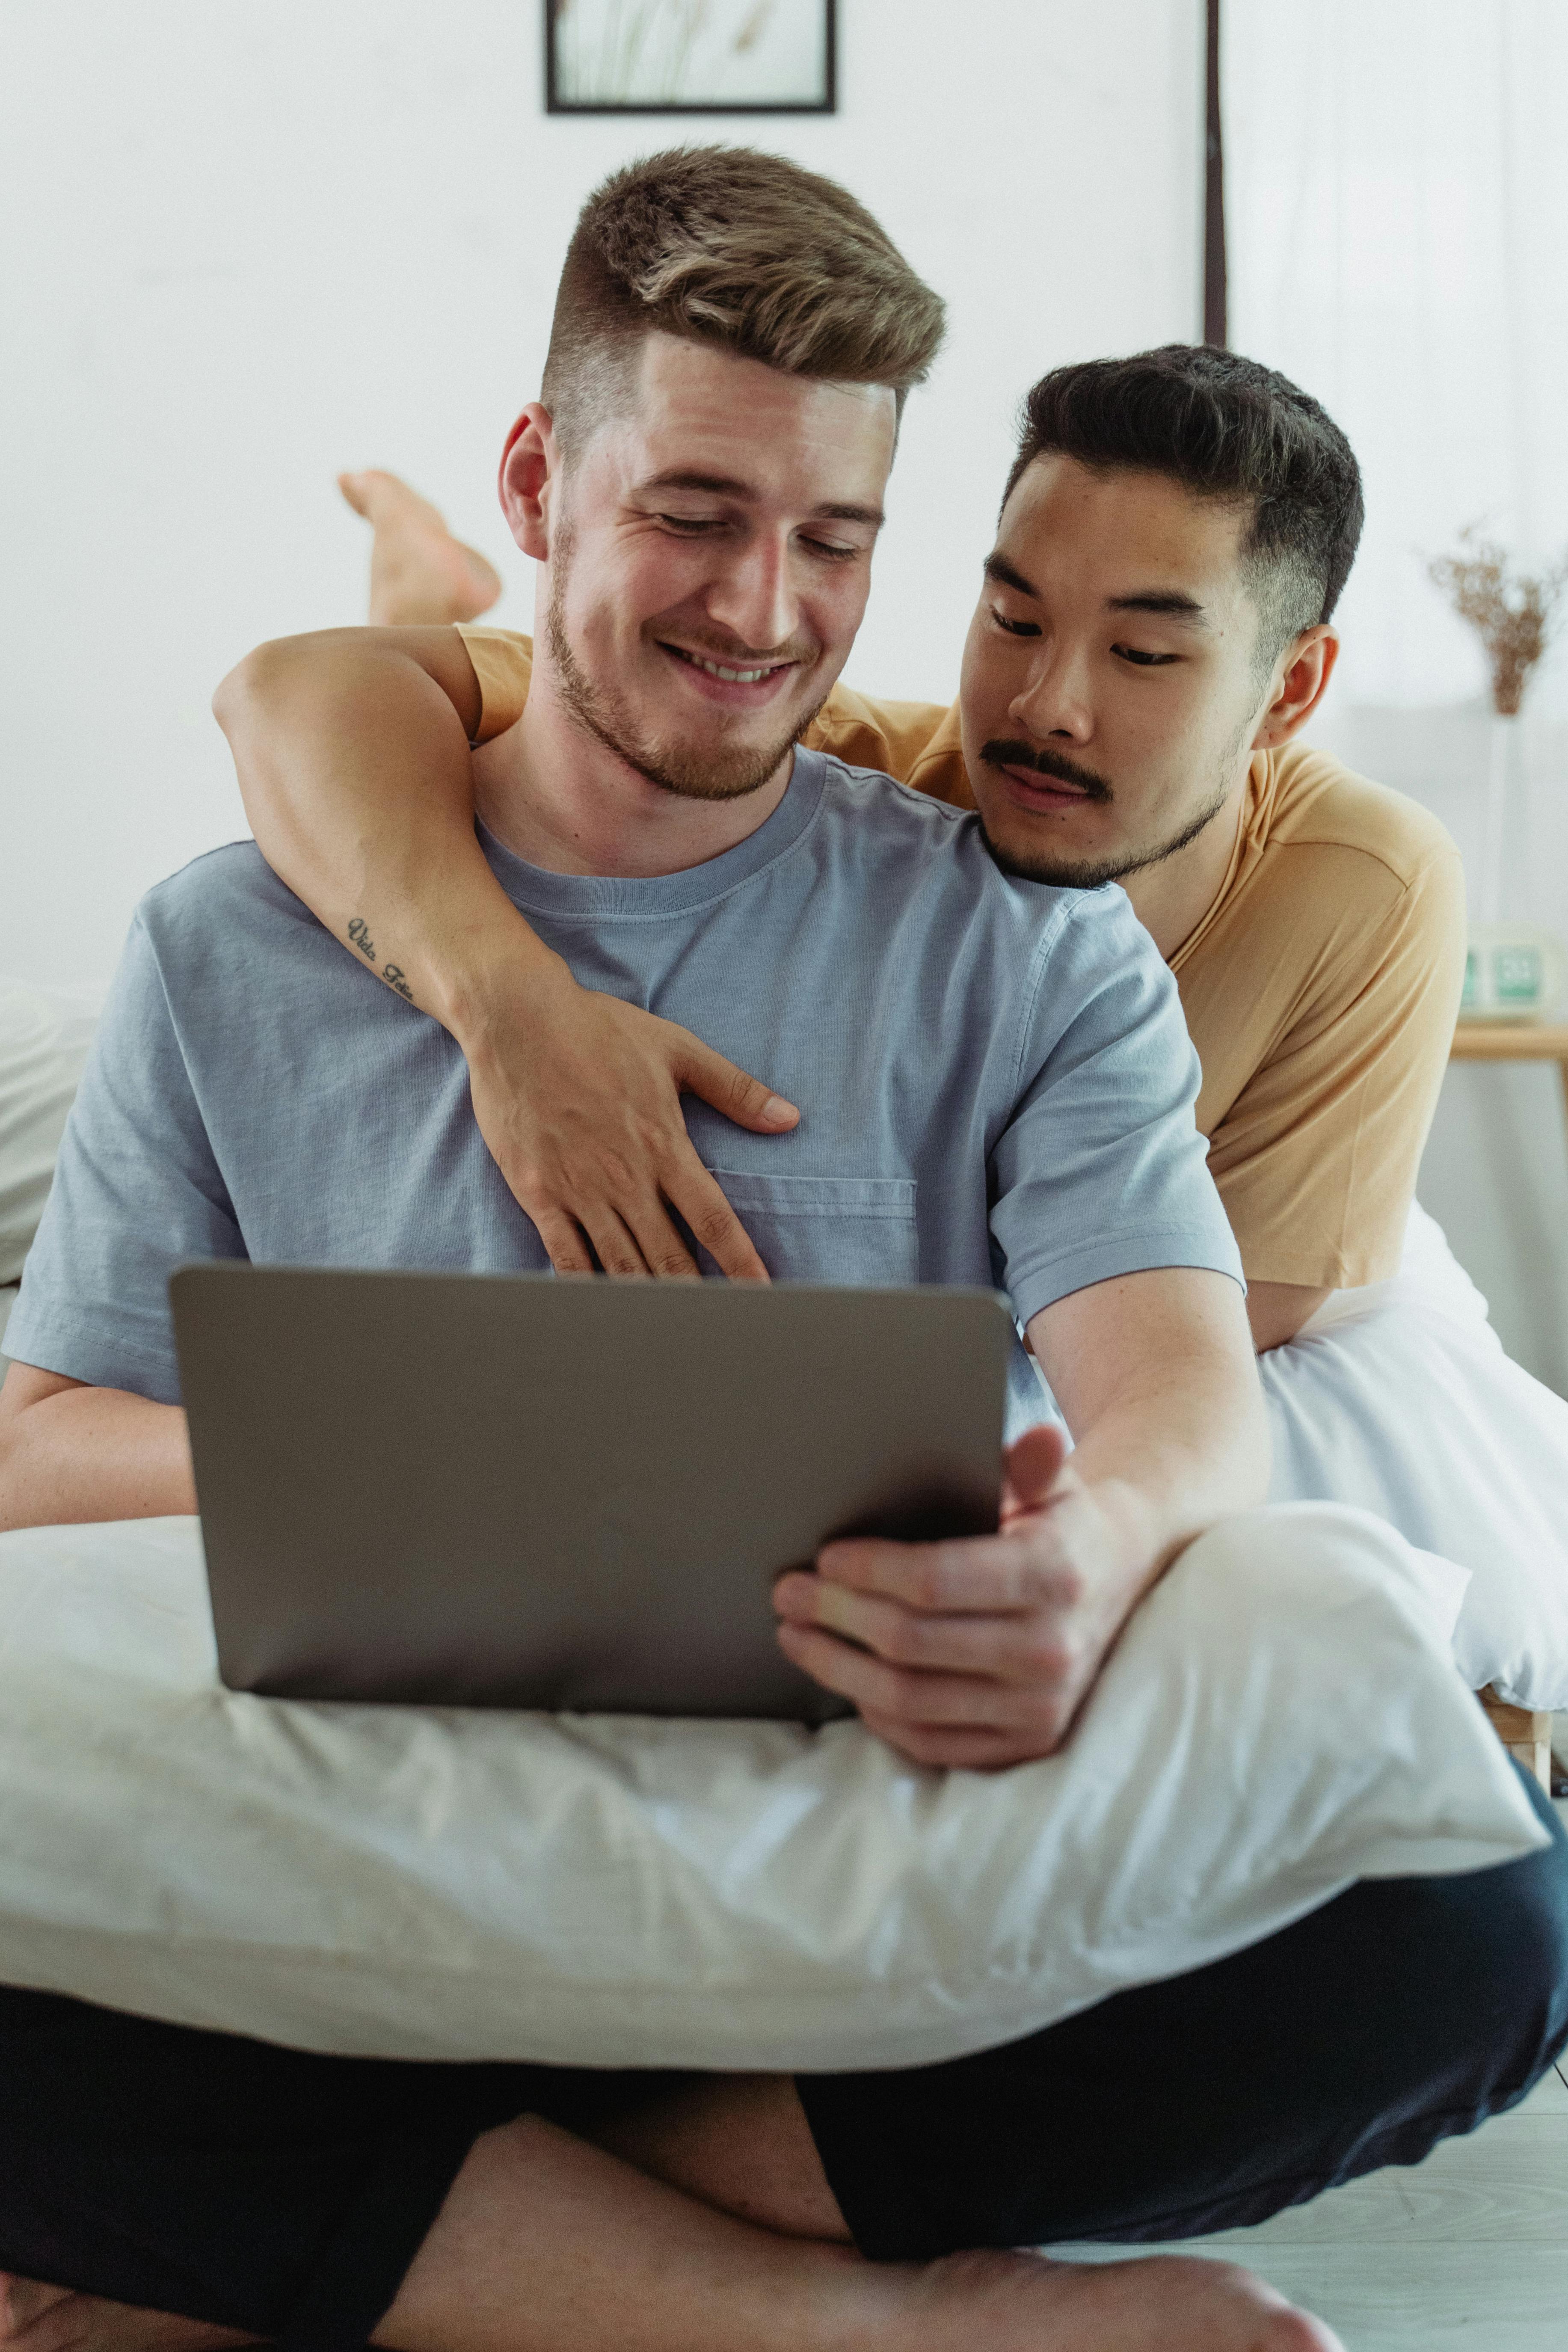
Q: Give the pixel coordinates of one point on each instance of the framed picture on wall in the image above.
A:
(689, 56)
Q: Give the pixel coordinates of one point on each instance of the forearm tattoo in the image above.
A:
(393, 974)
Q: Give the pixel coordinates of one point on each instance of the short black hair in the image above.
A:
(1229, 429)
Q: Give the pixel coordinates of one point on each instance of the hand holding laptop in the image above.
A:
(975, 1651)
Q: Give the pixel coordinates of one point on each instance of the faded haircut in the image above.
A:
(744, 251)
(1230, 429)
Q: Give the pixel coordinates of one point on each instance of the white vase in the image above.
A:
(1513, 970)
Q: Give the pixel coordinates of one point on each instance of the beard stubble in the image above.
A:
(709, 775)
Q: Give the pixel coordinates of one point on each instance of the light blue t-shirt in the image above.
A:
(994, 1078)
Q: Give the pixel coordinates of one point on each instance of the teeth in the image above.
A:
(734, 677)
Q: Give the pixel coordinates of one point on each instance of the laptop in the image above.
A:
(563, 1492)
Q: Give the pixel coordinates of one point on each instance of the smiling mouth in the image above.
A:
(730, 675)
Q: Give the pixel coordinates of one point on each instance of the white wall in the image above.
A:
(245, 247)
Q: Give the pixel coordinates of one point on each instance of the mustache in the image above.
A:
(1005, 753)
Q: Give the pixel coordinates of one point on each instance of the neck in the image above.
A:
(556, 796)
(1172, 897)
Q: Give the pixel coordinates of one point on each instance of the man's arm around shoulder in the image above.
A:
(70, 1453)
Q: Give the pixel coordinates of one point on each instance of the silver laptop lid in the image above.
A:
(516, 1490)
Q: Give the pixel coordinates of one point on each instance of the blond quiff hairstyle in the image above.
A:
(749, 252)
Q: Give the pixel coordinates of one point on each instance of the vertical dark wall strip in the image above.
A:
(1213, 193)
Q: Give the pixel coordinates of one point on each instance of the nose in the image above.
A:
(1055, 699)
(754, 596)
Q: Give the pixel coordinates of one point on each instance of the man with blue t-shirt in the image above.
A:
(1001, 1089)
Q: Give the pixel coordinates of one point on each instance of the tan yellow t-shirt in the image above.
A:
(1320, 988)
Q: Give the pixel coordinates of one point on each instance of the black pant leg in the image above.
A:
(1403, 2011)
(232, 2180)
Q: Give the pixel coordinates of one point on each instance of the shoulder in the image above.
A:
(215, 922)
(1320, 805)
(865, 730)
(220, 884)
(870, 793)
(1052, 951)
(1348, 873)
(891, 830)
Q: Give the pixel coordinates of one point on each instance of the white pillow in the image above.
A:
(44, 1039)
(1280, 1718)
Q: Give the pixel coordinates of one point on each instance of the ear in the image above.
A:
(1299, 686)
(529, 469)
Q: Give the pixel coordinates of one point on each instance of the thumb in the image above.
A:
(1032, 1466)
(734, 1091)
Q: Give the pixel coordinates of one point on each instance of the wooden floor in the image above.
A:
(1467, 2252)
(1468, 2249)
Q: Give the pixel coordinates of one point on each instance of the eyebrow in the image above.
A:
(728, 486)
(1007, 576)
(1174, 603)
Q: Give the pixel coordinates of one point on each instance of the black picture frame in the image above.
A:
(827, 104)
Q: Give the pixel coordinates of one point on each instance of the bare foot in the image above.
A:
(419, 574)
(37, 2318)
(1009, 2303)
(1162, 2302)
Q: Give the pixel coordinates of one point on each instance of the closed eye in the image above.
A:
(1142, 660)
(1014, 629)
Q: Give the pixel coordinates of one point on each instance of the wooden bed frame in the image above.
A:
(1525, 1732)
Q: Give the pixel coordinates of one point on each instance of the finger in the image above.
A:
(613, 1245)
(1014, 1648)
(664, 1252)
(734, 1091)
(902, 1693)
(981, 1575)
(1032, 1466)
(563, 1241)
(692, 1190)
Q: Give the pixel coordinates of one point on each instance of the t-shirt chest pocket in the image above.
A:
(847, 1229)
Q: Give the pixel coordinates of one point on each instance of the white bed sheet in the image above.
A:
(1400, 1399)
(1280, 1718)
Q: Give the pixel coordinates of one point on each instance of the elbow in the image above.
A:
(254, 688)
(13, 1512)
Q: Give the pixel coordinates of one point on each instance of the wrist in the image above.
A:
(497, 973)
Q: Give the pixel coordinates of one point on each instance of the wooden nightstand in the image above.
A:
(1513, 1040)
(1525, 1732)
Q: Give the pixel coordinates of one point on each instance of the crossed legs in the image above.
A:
(547, 2242)
(320, 2203)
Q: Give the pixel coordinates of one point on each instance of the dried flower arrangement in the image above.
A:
(1516, 618)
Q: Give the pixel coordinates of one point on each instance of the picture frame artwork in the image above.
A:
(690, 57)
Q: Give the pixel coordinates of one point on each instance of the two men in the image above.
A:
(1313, 921)
(997, 1066)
